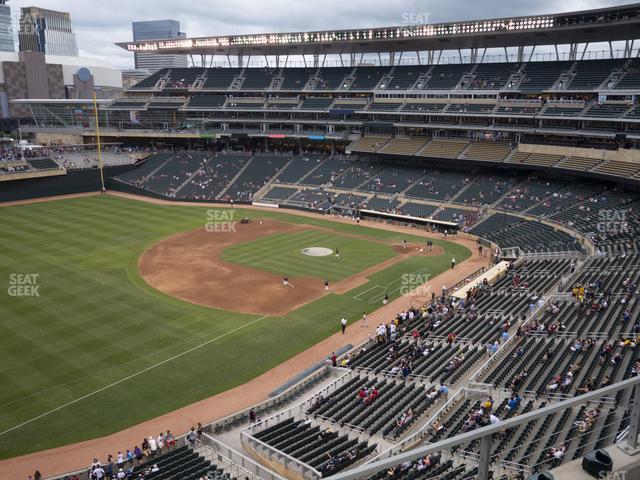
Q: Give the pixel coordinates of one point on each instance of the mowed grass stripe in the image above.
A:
(281, 254)
(97, 321)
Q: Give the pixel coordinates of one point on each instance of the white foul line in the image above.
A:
(131, 376)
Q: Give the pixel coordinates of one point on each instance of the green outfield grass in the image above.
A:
(281, 254)
(99, 350)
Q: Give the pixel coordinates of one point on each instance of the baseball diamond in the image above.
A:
(326, 249)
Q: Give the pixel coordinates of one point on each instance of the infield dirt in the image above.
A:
(189, 266)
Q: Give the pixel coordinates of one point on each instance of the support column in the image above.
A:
(628, 48)
(586, 45)
(485, 458)
(634, 421)
(473, 55)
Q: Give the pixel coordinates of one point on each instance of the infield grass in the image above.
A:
(99, 350)
(282, 254)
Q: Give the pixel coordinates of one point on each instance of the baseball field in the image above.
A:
(116, 311)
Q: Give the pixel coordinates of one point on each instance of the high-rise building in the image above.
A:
(158, 30)
(46, 31)
(6, 29)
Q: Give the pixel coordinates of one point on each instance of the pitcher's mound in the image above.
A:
(316, 251)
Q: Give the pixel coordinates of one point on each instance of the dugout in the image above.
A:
(407, 220)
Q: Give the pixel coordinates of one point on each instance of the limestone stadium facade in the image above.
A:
(474, 187)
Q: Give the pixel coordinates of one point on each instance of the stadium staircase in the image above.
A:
(235, 177)
(191, 177)
(272, 182)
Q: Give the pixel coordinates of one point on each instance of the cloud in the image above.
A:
(98, 25)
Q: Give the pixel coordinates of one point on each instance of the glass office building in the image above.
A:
(158, 30)
(46, 31)
(6, 28)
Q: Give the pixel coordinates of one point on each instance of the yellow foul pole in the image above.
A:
(95, 111)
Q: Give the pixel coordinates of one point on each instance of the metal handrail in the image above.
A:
(485, 434)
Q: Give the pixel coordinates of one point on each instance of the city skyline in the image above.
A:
(99, 27)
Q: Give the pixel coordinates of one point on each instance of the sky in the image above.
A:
(99, 24)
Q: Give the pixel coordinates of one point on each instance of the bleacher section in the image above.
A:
(443, 148)
(538, 159)
(437, 185)
(206, 101)
(529, 193)
(446, 77)
(366, 78)
(42, 164)
(326, 451)
(181, 462)
(492, 76)
(403, 146)
(299, 167)
(541, 76)
(579, 163)
(257, 78)
(332, 78)
(405, 77)
(278, 194)
(368, 144)
(151, 80)
(296, 78)
(392, 180)
(527, 235)
(139, 175)
(209, 182)
(174, 173)
(589, 74)
(182, 78)
(485, 189)
(220, 78)
(487, 151)
(254, 176)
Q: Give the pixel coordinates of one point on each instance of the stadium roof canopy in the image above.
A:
(588, 26)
